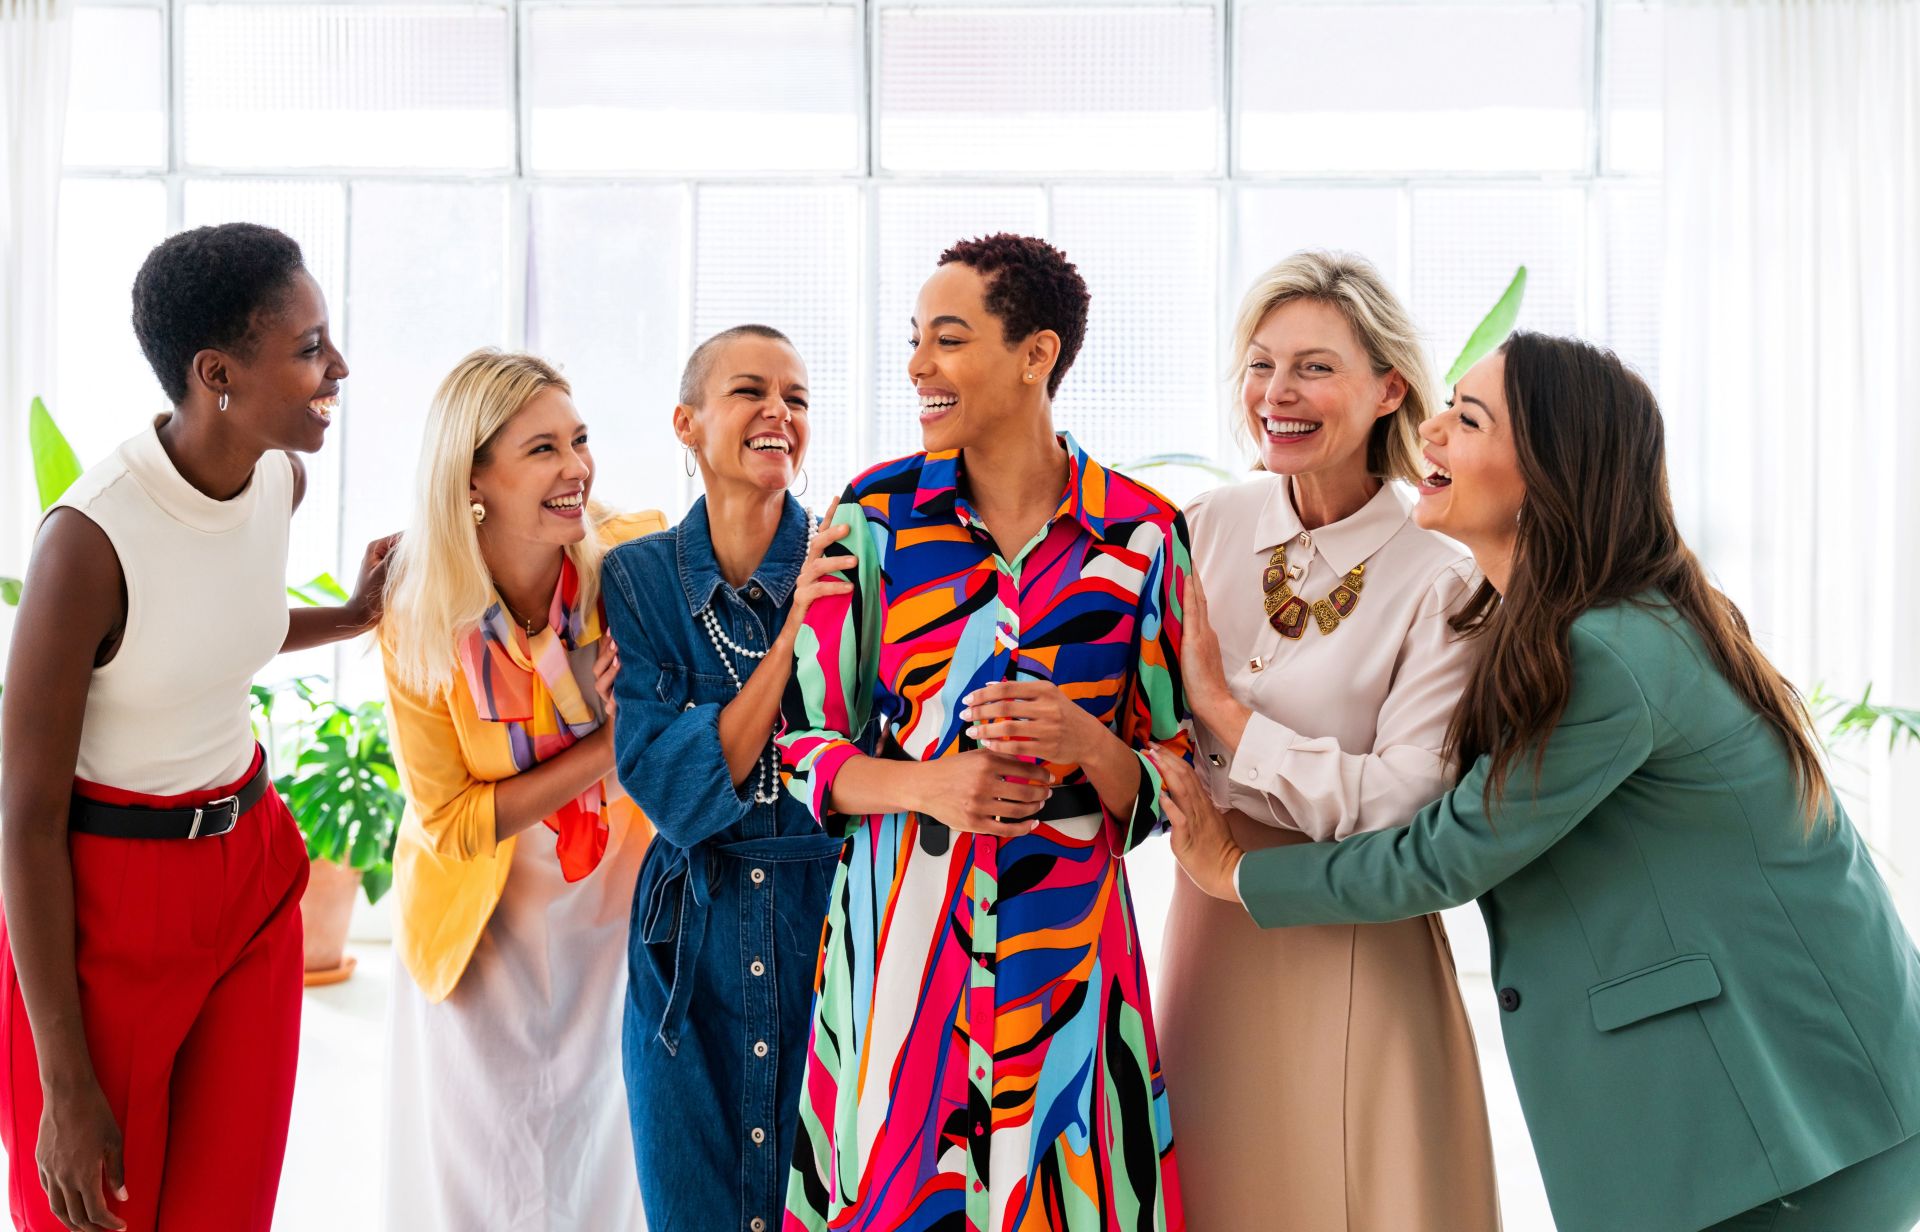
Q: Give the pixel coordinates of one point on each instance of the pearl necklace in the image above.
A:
(766, 772)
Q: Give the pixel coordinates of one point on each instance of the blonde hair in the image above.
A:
(438, 586)
(1352, 285)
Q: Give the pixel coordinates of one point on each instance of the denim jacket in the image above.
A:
(731, 898)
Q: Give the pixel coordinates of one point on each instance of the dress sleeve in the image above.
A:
(455, 809)
(829, 697)
(1456, 848)
(668, 756)
(1154, 709)
(1309, 783)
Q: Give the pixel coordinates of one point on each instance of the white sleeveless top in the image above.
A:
(206, 609)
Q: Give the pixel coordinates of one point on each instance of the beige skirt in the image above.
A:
(1321, 1079)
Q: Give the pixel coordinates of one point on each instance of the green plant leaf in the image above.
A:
(1493, 328)
(55, 466)
(1180, 459)
(10, 591)
(318, 591)
(377, 881)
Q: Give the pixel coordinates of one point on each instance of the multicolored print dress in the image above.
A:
(983, 1055)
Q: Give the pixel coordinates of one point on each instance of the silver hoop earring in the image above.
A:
(479, 512)
(689, 461)
(223, 404)
(803, 482)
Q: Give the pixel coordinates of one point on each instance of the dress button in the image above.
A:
(1509, 999)
(1306, 540)
(1217, 760)
(759, 875)
(759, 1135)
(754, 592)
(758, 1224)
(760, 1048)
(688, 706)
(758, 967)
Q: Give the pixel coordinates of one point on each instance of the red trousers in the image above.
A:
(189, 957)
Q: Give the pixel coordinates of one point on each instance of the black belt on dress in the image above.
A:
(1067, 800)
(208, 820)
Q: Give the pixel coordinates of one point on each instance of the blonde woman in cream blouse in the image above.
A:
(1322, 1079)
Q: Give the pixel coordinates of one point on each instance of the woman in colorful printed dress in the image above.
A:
(150, 957)
(1332, 1065)
(516, 858)
(726, 918)
(972, 717)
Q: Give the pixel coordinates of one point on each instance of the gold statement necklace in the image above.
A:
(1287, 612)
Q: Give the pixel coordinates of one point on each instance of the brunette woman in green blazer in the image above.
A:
(1711, 1008)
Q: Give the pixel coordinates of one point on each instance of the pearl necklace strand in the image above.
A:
(767, 770)
(766, 774)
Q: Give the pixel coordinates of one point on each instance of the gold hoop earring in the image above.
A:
(479, 512)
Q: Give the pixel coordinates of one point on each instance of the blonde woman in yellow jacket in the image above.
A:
(515, 865)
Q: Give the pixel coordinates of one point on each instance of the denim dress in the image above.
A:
(727, 915)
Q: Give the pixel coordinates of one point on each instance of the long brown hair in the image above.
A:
(1596, 529)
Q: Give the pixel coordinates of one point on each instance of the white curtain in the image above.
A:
(35, 40)
(1791, 349)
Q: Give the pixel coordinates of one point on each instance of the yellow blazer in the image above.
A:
(448, 868)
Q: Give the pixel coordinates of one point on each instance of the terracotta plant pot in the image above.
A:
(325, 911)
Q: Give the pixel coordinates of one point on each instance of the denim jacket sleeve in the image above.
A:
(666, 746)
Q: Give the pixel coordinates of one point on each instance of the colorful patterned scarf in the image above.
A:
(543, 691)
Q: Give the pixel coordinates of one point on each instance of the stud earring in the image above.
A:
(1029, 376)
(479, 512)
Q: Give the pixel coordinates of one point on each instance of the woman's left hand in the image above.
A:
(606, 665)
(1202, 841)
(370, 591)
(1032, 718)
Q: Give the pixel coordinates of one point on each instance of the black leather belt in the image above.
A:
(209, 820)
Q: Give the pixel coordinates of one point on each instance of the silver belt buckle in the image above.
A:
(200, 814)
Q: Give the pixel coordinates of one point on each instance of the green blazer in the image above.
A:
(1704, 1009)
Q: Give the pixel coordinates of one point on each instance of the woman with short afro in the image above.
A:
(973, 716)
(150, 955)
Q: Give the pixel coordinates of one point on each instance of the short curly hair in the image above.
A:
(1031, 286)
(202, 288)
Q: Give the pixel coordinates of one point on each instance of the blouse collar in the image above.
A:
(1342, 544)
(1084, 498)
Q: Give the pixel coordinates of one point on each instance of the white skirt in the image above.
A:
(505, 1106)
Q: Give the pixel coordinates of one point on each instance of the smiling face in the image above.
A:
(1310, 393)
(1474, 487)
(284, 385)
(536, 475)
(751, 426)
(972, 384)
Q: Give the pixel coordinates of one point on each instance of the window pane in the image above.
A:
(607, 303)
(1635, 85)
(116, 97)
(788, 257)
(1148, 378)
(1049, 90)
(427, 276)
(106, 392)
(1276, 222)
(1633, 224)
(314, 213)
(348, 85)
(917, 224)
(1466, 243)
(637, 89)
(1447, 87)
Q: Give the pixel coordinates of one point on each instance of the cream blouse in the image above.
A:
(1347, 728)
